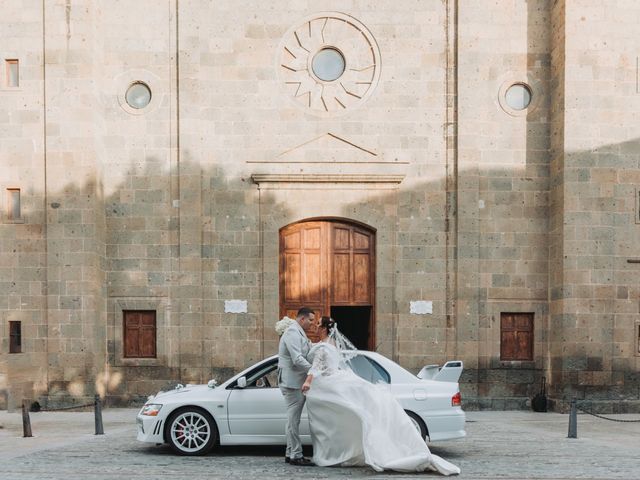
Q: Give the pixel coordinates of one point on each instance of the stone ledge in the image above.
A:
(326, 178)
(472, 404)
(556, 405)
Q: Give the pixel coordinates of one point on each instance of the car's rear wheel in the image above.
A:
(418, 424)
(191, 431)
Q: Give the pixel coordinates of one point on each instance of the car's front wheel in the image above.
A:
(191, 431)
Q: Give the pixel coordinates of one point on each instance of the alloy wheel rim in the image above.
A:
(416, 425)
(190, 431)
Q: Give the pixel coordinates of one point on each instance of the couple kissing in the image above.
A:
(352, 421)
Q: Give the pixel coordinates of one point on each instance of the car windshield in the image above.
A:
(369, 369)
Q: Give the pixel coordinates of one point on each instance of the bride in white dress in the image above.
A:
(356, 423)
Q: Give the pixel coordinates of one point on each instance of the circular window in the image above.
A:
(518, 96)
(328, 64)
(138, 95)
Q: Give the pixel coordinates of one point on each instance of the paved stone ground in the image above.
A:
(499, 445)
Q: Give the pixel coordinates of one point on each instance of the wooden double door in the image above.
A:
(329, 266)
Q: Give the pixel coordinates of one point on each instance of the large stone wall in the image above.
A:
(503, 173)
(478, 208)
(23, 272)
(596, 355)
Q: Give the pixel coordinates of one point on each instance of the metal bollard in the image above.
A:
(98, 416)
(573, 420)
(26, 421)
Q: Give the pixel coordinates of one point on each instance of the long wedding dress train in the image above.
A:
(356, 423)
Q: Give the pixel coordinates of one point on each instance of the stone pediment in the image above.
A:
(328, 147)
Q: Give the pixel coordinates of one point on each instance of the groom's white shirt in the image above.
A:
(292, 357)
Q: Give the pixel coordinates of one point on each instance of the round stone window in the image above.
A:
(328, 64)
(518, 96)
(138, 95)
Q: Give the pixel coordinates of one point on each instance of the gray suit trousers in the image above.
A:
(294, 399)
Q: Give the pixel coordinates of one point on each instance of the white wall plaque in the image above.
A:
(235, 306)
(421, 307)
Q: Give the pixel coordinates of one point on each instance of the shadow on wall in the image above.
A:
(136, 242)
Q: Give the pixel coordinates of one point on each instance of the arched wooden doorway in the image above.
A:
(329, 265)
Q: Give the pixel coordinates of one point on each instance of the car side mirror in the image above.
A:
(242, 382)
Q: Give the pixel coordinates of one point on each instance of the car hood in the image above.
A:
(180, 391)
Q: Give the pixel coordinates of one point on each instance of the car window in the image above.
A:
(264, 377)
(369, 369)
(272, 378)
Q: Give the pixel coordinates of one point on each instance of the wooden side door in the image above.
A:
(516, 336)
(139, 333)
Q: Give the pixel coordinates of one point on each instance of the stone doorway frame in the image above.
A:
(278, 199)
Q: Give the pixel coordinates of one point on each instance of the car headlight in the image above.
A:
(151, 409)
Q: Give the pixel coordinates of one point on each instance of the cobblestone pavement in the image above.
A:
(499, 445)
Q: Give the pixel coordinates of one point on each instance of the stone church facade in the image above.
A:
(450, 180)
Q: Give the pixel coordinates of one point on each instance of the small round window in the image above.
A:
(518, 96)
(138, 95)
(328, 64)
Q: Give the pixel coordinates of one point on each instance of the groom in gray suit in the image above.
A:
(292, 372)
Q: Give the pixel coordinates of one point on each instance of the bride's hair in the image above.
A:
(328, 323)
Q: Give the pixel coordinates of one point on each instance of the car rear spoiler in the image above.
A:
(449, 372)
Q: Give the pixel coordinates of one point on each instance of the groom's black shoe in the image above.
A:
(287, 459)
(302, 462)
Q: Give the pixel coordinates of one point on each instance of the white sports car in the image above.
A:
(248, 409)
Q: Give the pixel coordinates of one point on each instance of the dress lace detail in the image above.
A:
(325, 362)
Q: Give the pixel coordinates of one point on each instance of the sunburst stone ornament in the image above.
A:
(329, 63)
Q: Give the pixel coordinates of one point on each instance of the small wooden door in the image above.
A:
(325, 263)
(516, 336)
(139, 333)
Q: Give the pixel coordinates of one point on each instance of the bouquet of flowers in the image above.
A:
(283, 324)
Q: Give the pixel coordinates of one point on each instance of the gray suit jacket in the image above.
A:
(292, 357)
